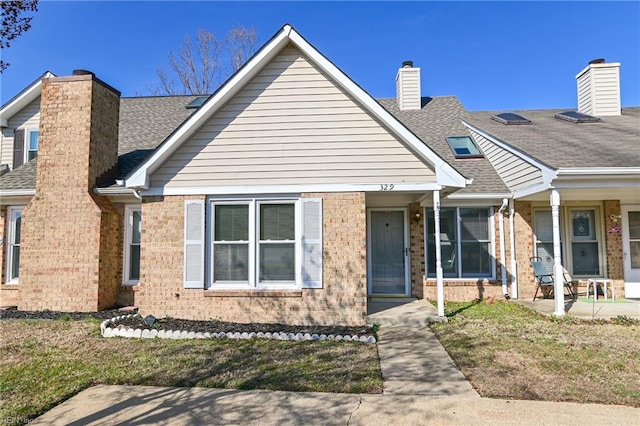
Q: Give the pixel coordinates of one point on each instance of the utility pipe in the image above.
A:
(503, 261)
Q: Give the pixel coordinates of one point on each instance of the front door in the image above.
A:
(388, 252)
(631, 250)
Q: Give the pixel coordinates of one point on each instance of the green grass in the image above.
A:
(46, 362)
(508, 351)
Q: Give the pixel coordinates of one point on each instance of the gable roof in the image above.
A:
(22, 99)
(139, 178)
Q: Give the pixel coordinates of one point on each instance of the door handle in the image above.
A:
(406, 251)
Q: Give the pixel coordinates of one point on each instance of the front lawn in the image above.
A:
(45, 362)
(508, 351)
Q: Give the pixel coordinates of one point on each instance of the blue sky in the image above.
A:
(492, 55)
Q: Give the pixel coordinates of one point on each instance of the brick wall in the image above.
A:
(67, 254)
(416, 234)
(342, 300)
(613, 245)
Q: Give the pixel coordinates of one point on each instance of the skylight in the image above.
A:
(510, 118)
(576, 117)
(197, 102)
(463, 147)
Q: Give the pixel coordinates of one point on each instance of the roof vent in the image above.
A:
(407, 64)
(596, 61)
(82, 72)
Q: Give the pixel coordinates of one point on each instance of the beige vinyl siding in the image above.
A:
(599, 91)
(516, 173)
(408, 88)
(585, 104)
(291, 125)
(27, 118)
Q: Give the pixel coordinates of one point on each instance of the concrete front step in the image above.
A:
(405, 313)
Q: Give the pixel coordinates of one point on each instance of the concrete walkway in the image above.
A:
(413, 362)
(142, 405)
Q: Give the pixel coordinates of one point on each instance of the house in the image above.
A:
(291, 195)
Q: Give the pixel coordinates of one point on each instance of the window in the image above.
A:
(31, 145)
(133, 237)
(576, 117)
(510, 119)
(543, 230)
(25, 146)
(463, 147)
(231, 243)
(581, 255)
(14, 227)
(265, 243)
(465, 240)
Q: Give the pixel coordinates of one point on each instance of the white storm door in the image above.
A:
(388, 247)
(631, 250)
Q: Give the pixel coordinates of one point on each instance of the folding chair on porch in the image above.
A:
(545, 279)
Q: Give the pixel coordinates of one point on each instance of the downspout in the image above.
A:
(512, 238)
(136, 194)
(503, 261)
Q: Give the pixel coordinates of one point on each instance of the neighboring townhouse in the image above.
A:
(291, 195)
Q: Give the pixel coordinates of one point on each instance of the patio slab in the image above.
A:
(586, 310)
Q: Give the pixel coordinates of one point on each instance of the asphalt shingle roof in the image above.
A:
(612, 142)
(440, 117)
(144, 123)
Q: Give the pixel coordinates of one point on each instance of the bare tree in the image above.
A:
(14, 23)
(200, 67)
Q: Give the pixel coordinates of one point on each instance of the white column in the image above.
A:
(558, 280)
(512, 241)
(439, 274)
(503, 254)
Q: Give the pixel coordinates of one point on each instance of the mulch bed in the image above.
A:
(188, 325)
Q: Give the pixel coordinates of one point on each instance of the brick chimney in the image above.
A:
(408, 87)
(68, 261)
(599, 89)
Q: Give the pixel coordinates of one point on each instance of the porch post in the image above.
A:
(558, 286)
(439, 280)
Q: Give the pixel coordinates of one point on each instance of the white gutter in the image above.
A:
(17, 192)
(113, 191)
(597, 171)
(512, 241)
(503, 261)
(468, 196)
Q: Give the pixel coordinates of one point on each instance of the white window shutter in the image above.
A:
(312, 243)
(194, 244)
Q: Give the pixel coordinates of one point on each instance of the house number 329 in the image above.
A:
(386, 187)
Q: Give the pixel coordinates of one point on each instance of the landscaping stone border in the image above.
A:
(116, 331)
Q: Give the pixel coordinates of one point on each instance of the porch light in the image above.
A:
(417, 216)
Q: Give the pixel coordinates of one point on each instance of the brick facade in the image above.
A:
(69, 253)
(342, 300)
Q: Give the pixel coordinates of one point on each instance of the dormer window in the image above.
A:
(464, 147)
